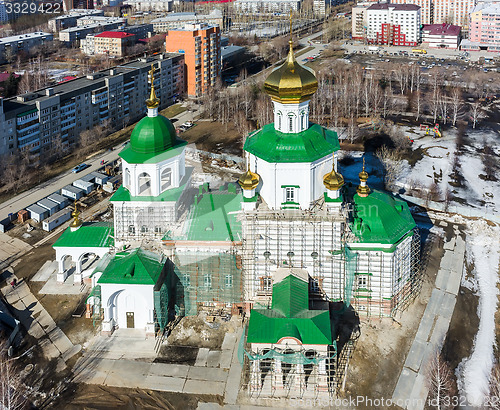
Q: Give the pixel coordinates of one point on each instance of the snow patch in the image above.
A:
(474, 372)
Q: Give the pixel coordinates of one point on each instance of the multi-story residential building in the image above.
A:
(85, 21)
(176, 20)
(358, 20)
(69, 20)
(267, 6)
(113, 43)
(44, 119)
(149, 5)
(426, 8)
(71, 35)
(134, 33)
(10, 46)
(4, 17)
(484, 29)
(452, 12)
(139, 30)
(393, 24)
(200, 44)
(441, 35)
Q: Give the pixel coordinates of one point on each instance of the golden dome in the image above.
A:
(249, 180)
(363, 189)
(152, 101)
(333, 181)
(291, 82)
(76, 222)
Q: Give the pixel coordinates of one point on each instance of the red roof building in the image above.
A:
(441, 35)
(113, 43)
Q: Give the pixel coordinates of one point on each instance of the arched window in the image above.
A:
(144, 184)
(302, 118)
(166, 178)
(279, 121)
(290, 123)
(126, 181)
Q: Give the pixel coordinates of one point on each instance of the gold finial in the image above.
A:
(76, 222)
(363, 189)
(333, 180)
(152, 101)
(291, 26)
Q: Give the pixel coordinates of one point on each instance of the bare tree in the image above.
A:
(476, 112)
(12, 389)
(494, 402)
(441, 383)
(456, 104)
(391, 161)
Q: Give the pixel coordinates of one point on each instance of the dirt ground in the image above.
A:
(200, 331)
(214, 137)
(103, 397)
(383, 345)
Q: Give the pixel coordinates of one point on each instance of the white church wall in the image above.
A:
(118, 299)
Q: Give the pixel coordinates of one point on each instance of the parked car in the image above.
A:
(79, 168)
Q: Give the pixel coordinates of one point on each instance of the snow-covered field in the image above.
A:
(436, 165)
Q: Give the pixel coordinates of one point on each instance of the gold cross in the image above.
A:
(291, 32)
(152, 72)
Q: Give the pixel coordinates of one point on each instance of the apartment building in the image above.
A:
(42, 120)
(426, 8)
(393, 24)
(267, 6)
(441, 36)
(85, 21)
(358, 20)
(69, 20)
(484, 29)
(200, 44)
(113, 43)
(11, 46)
(176, 20)
(149, 5)
(454, 12)
(71, 35)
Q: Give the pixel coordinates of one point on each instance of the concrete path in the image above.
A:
(411, 387)
(126, 360)
(11, 249)
(39, 324)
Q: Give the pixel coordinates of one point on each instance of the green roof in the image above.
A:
(170, 195)
(307, 146)
(290, 316)
(134, 157)
(213, 217)
(152, 136)
(136, 267)
(381, 218)
(90, 234)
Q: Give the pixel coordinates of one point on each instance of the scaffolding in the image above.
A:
(377, 282)
(207, 280)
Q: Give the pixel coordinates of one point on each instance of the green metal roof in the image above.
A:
(290, 316)
(381, 218)
(136, 267)
(170, 195)
(290, 296)
(134, 157)
(213, 217)
(90, 234)
(307, 146)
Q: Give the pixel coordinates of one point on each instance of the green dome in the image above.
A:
(153, 135)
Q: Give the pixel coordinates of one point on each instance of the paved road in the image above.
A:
(39, 192)
(412, 387)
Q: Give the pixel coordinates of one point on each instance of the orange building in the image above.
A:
(200, 44)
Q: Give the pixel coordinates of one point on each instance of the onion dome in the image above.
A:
(76, 222)
(291, 83)
(363, 189)
(153, 134)
(333, 181)
(249, 180)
